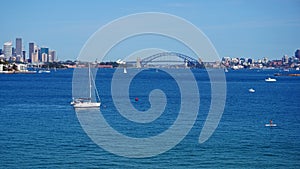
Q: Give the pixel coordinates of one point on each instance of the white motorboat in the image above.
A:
(270, 79)
(251, 90)
(44, 71)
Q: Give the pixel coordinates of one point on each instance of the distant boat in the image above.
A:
(251, 90)
(270, 79)
(87, 102)
(270, 125)
(125, 70)
(44, 71)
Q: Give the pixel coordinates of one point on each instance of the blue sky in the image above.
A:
(237, 28)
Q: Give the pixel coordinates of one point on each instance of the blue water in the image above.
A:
(39, 129)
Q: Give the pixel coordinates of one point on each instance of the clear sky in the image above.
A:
(237, 28)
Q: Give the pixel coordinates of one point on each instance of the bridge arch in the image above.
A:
(191, 62)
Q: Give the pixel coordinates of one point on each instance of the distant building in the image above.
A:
(43, 56)
(24, 54)
(52, 56)
(250, 61)
(285, 59)
(7, 50)
(31, 49)
(297, 53)
(19, 47)
(35, 55)
(13, 50)
(265, 60)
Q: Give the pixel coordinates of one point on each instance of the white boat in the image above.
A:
(125, 70)
(251, 90)
(270, 79)
(44, 71)
(87, 102)
(271, 125)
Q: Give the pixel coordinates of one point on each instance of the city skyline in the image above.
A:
(36, 54)
(236, 28)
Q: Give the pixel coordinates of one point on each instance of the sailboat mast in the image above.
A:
(90, 83)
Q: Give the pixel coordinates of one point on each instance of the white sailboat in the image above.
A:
(87, 102)
(125, 70)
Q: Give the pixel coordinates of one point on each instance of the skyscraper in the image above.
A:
(7, 50)
(24, 54)
(19, 47)
(44, 53)
(31, 49)
(35, 55)
(52, 56)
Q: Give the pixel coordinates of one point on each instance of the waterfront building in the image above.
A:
(18, 47)
(45, 57)
(13, 49)
(285, 59)
(297, 53)
(21, 67)
(18, 58)
(31, 49)
(250, 61)
(44, 51)
(52, 56)
(35, 55)
(24, 54)
(7, 50)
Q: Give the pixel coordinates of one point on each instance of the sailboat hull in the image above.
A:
(86, 105)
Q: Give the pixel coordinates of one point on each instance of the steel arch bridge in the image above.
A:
(190, 62)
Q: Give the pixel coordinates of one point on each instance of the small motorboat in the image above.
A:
(270, 79)
(251, 90)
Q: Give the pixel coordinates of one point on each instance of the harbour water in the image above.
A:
(39, 128)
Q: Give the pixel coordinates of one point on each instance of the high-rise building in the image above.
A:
(35, 55)
(31, 49)
(7, 50)
(24, 54)
(297, 53)
(13, 50)
(19, 47)
(45, 57)
(52, 55)
(43, 50)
